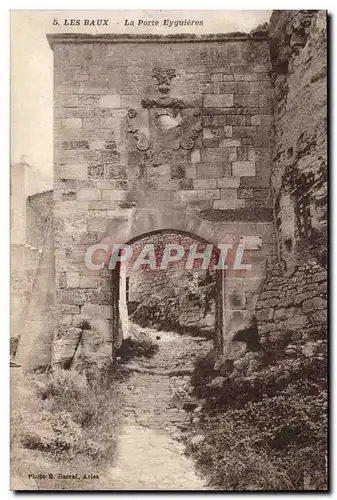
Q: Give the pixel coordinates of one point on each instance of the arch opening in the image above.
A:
(159, 290)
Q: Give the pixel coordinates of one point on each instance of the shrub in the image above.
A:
(203, 372)
(132, 347)
(63, 421)
(267, 431)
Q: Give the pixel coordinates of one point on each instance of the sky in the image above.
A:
(32, 64)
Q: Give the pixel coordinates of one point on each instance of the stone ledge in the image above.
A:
(238, 215)
(54, 38)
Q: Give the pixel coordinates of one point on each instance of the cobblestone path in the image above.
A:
(150, 452)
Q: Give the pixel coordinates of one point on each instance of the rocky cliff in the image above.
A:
(293, 305)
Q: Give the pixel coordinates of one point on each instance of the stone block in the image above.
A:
(321, 276)
(115, 171)
(190, 172)
(232, 154)
(245, 193)
(97, 224)
(245, 131)
(230, 143)
(235, 300)
(68, 309)
(89, 281)
(206, 171)
(64, 347)
(261, 68)
(228, 182)
(62, 100)
(228, 204)
(110, 101)
(229, 193)
(195, 156)
(73, 171)
(114, 195)
(100, 123)
(296, 322)
(246, 77)
(88, 194)
(262, 193)
(261, 119)
(71, 123)
(314, 304)
(243, 87)
(239, 120)
(217, 120)
(186, 196)
(259, 181)
(228, 131)
(246, 100)
(260, 87)
(207, 133)
(228, 88)
(216, 77)
(73, 280)
(205, 184)
(228, 78)
(66, 320)
(218, 100)
(97, 144)
(207, 121)
(263, 76)
(96, 171)
(103, 328)
(211, 88)
(243, 169)
(320, 317)
(265, 101)
(96, 311)
(208, 194)
(60, 280)
(128, 101)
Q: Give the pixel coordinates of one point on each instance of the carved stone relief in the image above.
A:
(164, 124)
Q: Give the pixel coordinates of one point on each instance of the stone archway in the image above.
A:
(116, 278)
(185, 146)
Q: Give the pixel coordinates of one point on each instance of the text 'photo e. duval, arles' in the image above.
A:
(169, 251)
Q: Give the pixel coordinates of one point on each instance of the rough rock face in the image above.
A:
(298, 57)
(293, 303)
(293, 309)
(185, 311)
(175, 298)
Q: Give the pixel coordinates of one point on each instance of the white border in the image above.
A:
(4, 196)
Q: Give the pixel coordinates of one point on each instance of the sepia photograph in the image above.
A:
(169, 250)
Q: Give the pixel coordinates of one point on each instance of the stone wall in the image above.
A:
(31, 223)
(293, 305)
(37, 328)
(39, 215)
(18, 204)
(25, 181)
(174, 298)
(158, 133)
(145, 282)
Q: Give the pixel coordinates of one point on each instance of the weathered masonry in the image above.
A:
(158, 133)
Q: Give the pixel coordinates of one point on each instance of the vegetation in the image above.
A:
(135, 347)
(62, 422)
(266, 431)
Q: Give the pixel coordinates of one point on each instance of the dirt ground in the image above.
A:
(150, 453)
